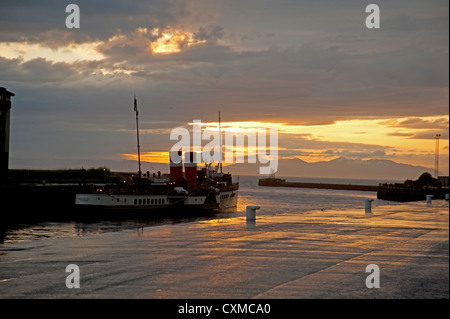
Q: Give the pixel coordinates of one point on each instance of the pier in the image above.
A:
(409, 191)
(275, 182)
(316, 254)
(43, 195)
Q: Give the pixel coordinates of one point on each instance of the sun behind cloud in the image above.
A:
(172, 41)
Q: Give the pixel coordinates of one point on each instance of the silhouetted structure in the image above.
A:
(410, 190)
(5, 107)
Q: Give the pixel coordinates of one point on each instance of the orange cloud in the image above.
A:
(172, 41)
(150, 157)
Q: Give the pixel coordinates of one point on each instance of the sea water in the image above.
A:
(272, 200)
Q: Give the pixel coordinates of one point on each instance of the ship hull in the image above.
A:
(227, 199)
(209, 201)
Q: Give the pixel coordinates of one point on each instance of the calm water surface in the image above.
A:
(272, 200)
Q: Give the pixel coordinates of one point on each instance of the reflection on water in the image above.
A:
(273, 200)
(276, 200)
(44, 230)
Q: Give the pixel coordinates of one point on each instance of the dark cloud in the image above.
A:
(296, 62)
(42, 72)
(397, 133)
(419, 123)
(378, 154)
(430, 134)
(44, 21)
(428, 128)
(299, 142)
(210, 33)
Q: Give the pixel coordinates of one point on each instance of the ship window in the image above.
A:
(140, 201)
(159, 201)
(135, 201)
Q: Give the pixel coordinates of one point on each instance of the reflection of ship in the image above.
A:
(204, 188)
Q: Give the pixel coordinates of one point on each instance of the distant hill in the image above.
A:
(337, 168)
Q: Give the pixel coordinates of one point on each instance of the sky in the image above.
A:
(312, 69)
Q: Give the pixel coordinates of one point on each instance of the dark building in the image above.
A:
(444, 181)
(5, 107)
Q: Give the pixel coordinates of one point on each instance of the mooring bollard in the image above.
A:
(368, 205)
(429, 197)
(446, 197)
(251, 212)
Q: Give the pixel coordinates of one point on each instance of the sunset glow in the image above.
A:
(150, 157)
(70, 53)
(330, 86)
(403, 139)
(173, 42)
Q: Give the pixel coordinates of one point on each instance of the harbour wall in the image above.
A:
(282, 183)
(384, 192)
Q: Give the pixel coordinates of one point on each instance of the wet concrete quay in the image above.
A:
(317, 254)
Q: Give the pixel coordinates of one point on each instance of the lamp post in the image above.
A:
(436, 156)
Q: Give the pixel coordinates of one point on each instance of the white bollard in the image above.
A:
(368, 205)
(429, 197)
(251, 212)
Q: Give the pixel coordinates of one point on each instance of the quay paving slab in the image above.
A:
(317, 254)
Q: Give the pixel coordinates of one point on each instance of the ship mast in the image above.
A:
(137, 134)
(221, 158)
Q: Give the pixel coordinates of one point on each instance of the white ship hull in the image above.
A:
(122, 201)
(226, 199)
